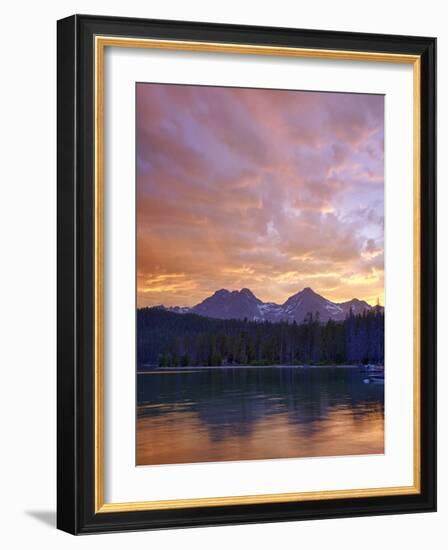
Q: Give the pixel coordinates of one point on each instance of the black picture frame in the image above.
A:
(76, 271)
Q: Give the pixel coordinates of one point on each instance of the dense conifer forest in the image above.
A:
(167, 339)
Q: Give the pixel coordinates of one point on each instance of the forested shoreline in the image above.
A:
(167, 339)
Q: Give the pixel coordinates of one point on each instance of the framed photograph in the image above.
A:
(246, 274)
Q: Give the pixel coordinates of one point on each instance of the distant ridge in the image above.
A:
(243, 304)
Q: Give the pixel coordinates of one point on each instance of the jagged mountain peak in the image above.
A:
(225, 304)
(247, 292)
(307, 290)
(221, 292)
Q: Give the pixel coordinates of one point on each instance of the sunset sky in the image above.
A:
(266, 189)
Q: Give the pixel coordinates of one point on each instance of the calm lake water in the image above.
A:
(214, 414)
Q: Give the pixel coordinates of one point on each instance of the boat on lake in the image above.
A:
(374, 379)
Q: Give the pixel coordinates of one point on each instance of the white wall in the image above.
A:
(27, 272)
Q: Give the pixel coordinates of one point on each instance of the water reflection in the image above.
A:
(201, 415)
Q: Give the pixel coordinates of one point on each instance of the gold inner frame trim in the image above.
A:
(101, 42)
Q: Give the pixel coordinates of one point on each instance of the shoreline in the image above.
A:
(160, 370)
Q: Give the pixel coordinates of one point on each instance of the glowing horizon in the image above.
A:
(270, 190)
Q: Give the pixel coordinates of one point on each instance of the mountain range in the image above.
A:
(243, 304)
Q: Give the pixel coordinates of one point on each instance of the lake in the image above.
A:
(205, 414)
